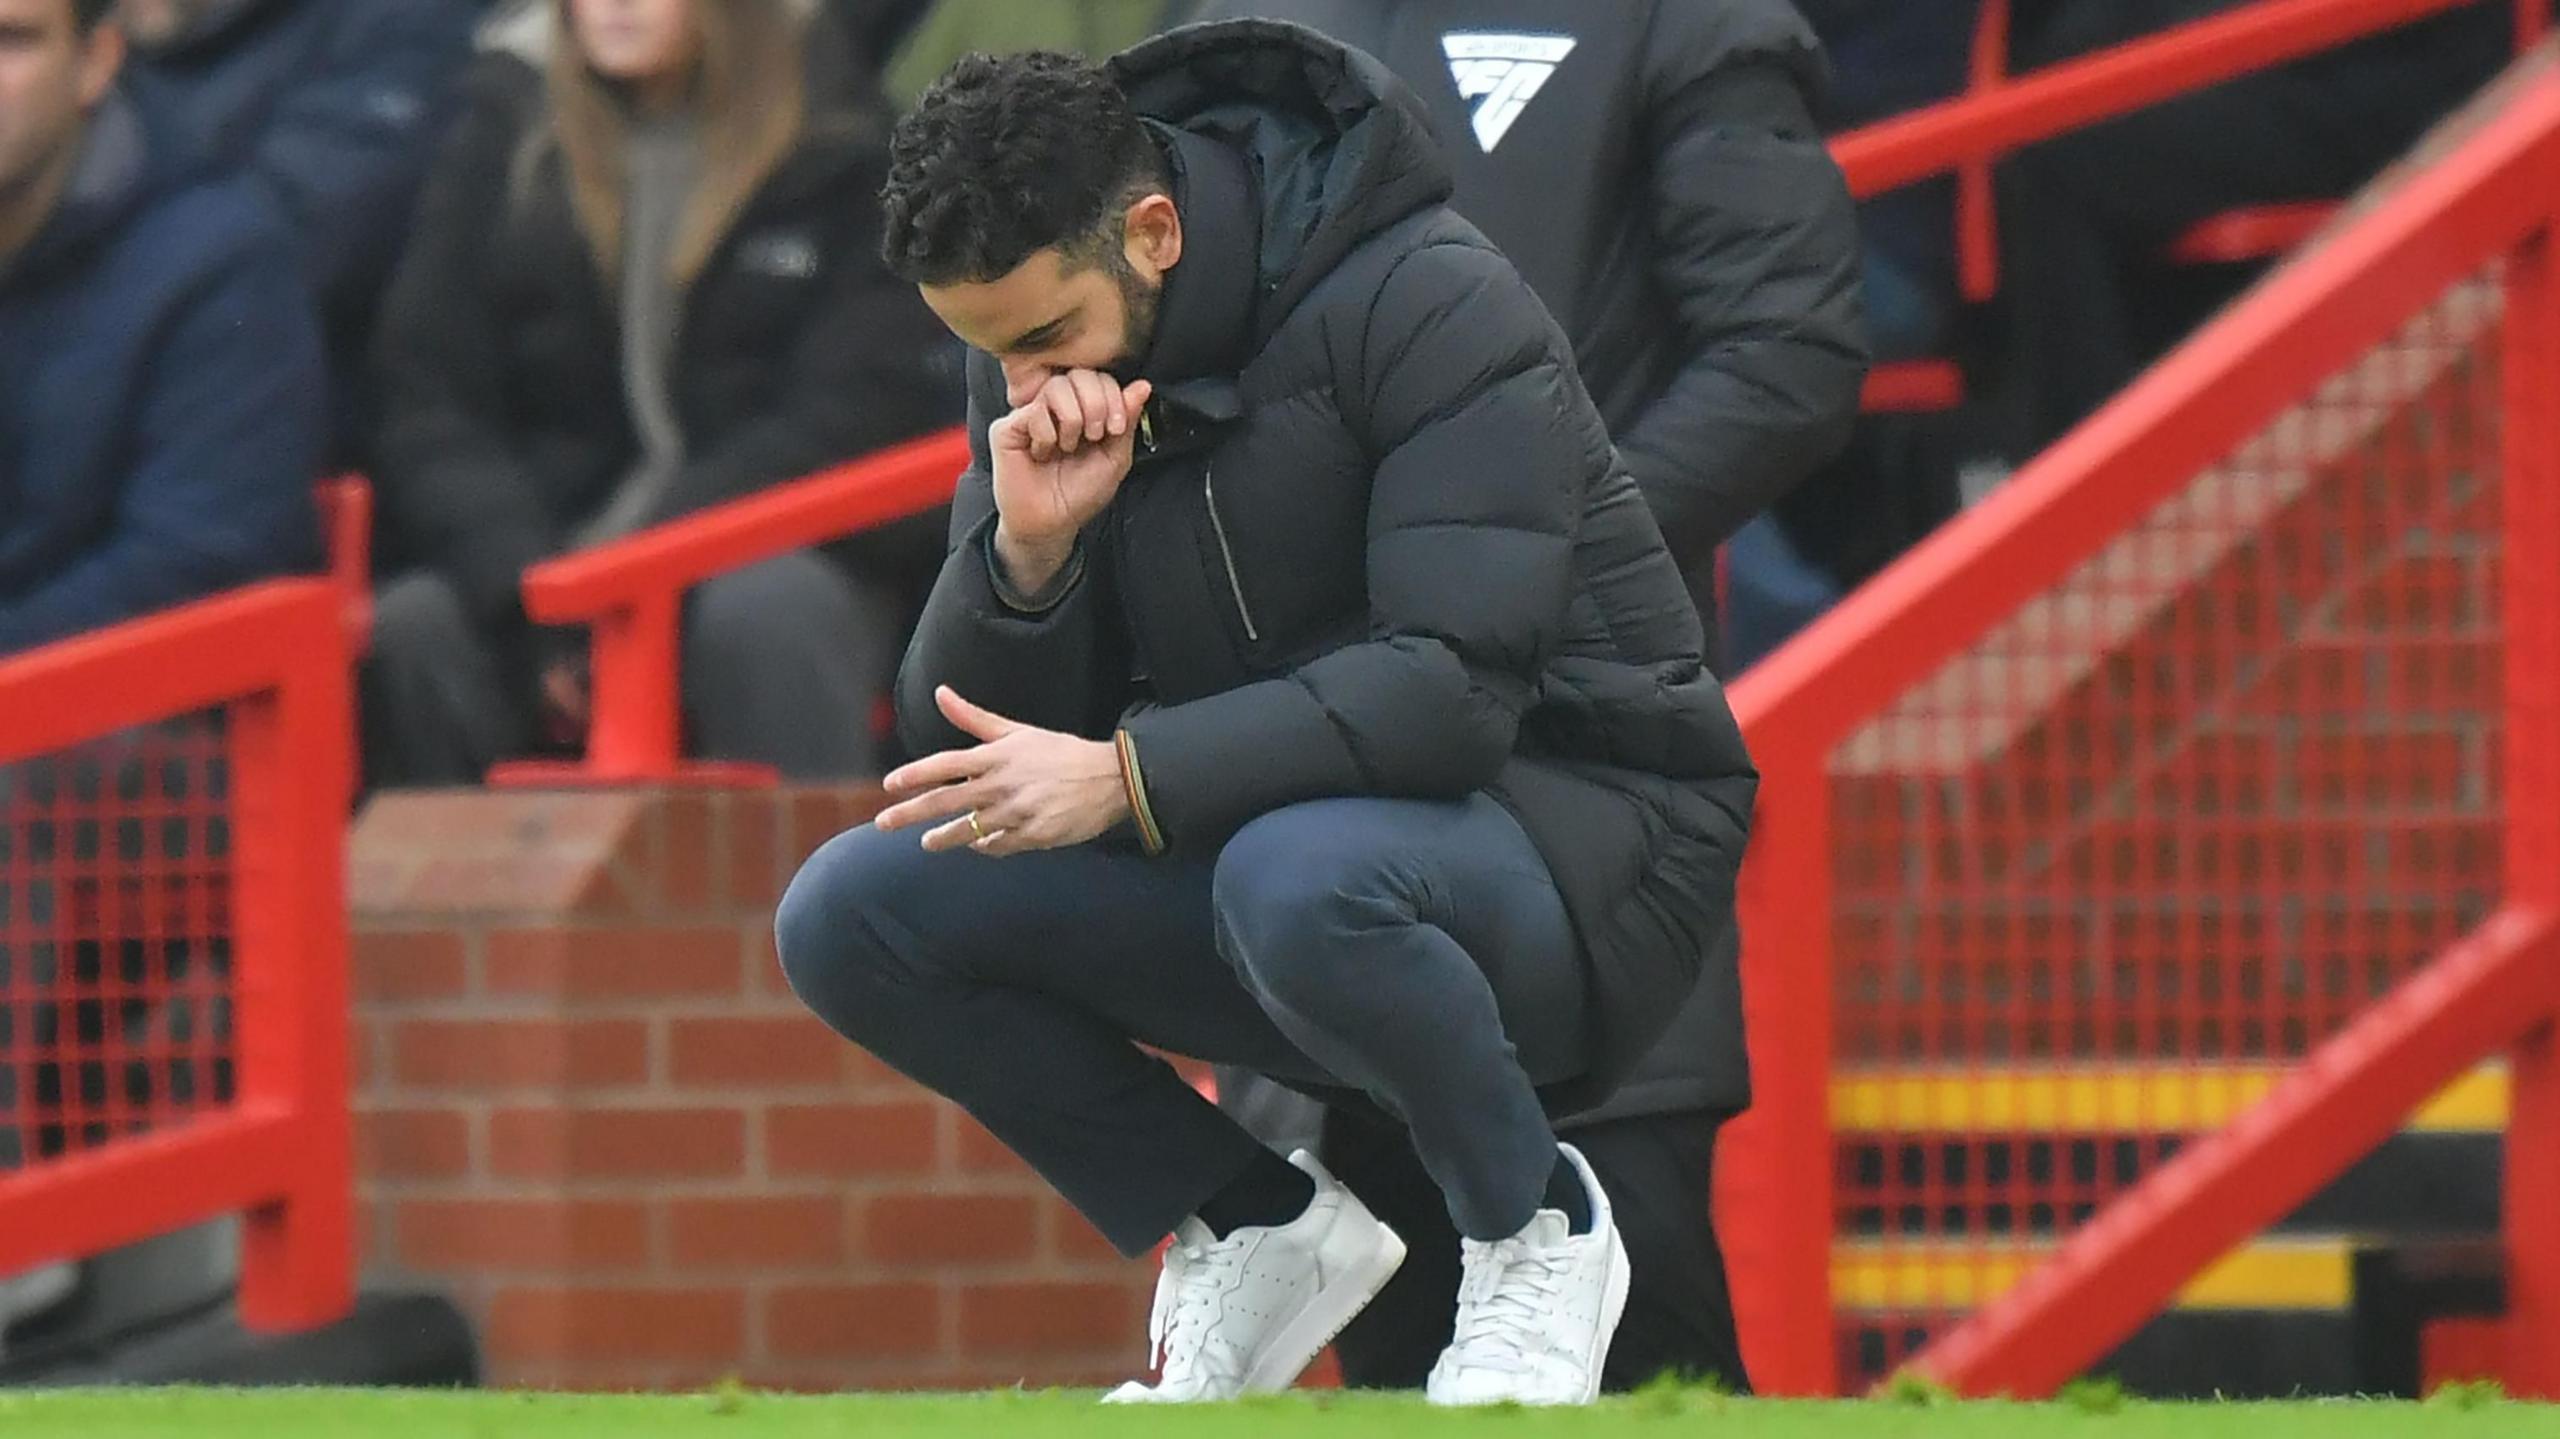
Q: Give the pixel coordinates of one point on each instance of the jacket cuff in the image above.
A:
(1134, 780)
(1047, 597)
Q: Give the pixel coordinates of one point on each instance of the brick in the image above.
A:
(950, 1229)
(852, 1320)
(1049, 1318)
(617, 1143)
(534, 1324)
(762, 1051)
(981, 1152)
(765, 1231)
(764, 968)
(755, 850)
(616, 963)
(478, 1235)
(405, 966)
(364, 1046)
(512, 1053)
(694, 860)
(815, 818)
(412, 1144)
(842, 1140)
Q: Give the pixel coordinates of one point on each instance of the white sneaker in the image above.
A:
(1246, 1314)
(1536, 1311)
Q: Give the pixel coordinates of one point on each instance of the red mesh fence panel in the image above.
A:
(2177, 819)
(116, 1004)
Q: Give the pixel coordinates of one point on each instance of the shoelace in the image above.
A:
(1510, 1294)
(1182, 1326)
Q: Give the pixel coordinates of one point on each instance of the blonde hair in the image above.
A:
(750, 94)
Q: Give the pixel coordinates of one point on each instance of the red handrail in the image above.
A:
(2004, 115)
(630, 591)
(273, 658)
(1940, 599)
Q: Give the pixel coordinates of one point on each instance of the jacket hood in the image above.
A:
(1338, 148)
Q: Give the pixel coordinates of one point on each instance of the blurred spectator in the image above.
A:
(949, 29)
(160, 426)
(645, 279)
(1889, 57)
(1656, 174)
(2086, 219)
(333, 107)
(1897, 479)
(159, 423)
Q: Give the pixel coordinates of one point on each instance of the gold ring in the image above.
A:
(973, 825)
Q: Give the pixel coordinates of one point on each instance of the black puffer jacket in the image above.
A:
(1380, 545)
(506, 422)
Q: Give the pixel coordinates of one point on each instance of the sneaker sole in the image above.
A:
(1325, 1317)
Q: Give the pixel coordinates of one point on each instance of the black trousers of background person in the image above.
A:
(782, 663)
(1410, 951)
(2087, 296)
(1658, 1170)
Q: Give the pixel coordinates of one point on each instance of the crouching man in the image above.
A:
(1308, 688)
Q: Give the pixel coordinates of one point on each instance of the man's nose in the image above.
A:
(1022, 381)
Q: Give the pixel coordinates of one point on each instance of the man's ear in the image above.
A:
(101, 58)
(1152, 235)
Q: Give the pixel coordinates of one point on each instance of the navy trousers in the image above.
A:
(1413, 953)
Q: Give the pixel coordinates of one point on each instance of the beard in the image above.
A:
(1139, 303)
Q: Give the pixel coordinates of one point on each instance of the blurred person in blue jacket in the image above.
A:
(161, 396)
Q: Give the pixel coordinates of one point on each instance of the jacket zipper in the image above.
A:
(1226, 552)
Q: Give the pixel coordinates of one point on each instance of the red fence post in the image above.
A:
(2530, 577)
(292, 767)
(1775, 1169)
(637, 731)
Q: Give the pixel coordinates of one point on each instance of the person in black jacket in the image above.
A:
(333, 108)
(644, 283)
(1339, 710)
(1655, 171)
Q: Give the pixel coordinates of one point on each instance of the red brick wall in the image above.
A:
(590, 1111)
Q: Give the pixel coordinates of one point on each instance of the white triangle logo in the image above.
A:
(1497, 75)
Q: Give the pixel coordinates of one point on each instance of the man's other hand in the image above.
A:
(1057, 462)
(1025, 789)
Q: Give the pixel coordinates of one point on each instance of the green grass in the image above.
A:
(216, 1414)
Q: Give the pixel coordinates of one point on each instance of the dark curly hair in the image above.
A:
(86, 14)
(1007, 155)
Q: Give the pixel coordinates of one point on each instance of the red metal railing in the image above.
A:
(173, 941)
(2168, 778)
(2001, 114)
(631, 594)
